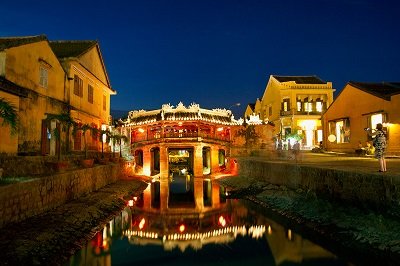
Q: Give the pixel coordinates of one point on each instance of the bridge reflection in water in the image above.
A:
(194, 224)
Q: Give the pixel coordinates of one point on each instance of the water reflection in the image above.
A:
(165, 225)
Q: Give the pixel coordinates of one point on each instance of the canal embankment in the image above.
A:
(349, 179)
(52, 236)
(40, 192)
(343, 202)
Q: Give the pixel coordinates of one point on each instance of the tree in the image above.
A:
(84, 128)
(9, 114)
(66, 122)
(101, 134)
(250, 135)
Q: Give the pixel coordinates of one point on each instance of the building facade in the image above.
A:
(88, 88)
(294, 104)
(40, 78)
(180, 141)
(33, 79)
(344, 121)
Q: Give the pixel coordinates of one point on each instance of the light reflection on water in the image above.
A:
(196, 225)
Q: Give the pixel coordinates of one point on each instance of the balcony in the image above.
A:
(292, 112)
(180, 136)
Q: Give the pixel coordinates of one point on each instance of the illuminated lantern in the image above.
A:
(222, 221)
(142, 223)
(182, 228)
(130, 203)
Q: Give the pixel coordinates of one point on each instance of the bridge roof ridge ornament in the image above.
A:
(181, 112)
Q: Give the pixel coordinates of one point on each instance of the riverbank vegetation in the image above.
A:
(377, 232)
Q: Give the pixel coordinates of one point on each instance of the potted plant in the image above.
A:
(9, 115)
(86, 162)
(65, 123)
(102, 133)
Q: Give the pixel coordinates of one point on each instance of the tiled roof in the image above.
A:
(300, 79)
(64, 49)
(382, 90)
(9, 42)
(180, 116)
(12, 88)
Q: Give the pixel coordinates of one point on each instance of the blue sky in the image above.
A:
(217, 53)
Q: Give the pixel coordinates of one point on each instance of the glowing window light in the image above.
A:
(308, 124)
(269, 230)
(318, 106)
(376, 119)
(289, 234)
(141, 130)
(130, 203)
(220, 129)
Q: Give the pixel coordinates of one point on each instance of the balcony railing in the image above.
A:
(180, 135)
(292, 112)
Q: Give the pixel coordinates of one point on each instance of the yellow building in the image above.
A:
(32, 79)
(41, 77)
(363, 105)
(295, 105)
(88, 87)
(253, 109)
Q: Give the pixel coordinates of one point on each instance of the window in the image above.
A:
(78, 86)
(43, 77)
(340, 129)
(307, 107)
(318, 106)
(90, 93)
(104, 103)
(378, 118)
(298, 106)
(286, 105)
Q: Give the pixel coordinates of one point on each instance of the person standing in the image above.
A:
(296, 150)
(379, 144)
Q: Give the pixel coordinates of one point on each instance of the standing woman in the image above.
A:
(380, 145)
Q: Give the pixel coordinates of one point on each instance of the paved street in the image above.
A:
(343, 162)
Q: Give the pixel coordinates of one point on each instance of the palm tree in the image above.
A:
(101, 133)
(9, 114)
(66, 122)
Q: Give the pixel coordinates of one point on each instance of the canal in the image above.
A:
(189, 221)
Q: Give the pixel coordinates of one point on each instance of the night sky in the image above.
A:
(217, 53)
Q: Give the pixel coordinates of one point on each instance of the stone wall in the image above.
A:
(22, 200)
(370, 190)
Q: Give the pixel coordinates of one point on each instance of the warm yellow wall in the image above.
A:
(92, 61)
(90, 69)
(275, 92)
(248, 112)
(22, 67)
(8, 142)
(82, 103)
(353, 103)
(257, 107)
(272, 98)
